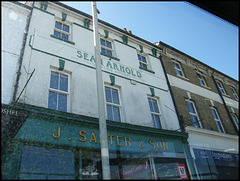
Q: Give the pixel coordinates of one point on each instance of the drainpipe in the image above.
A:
(21, 55)
(225, 105)
(180, 118)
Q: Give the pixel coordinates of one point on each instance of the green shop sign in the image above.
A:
(109, 66)
(85, 135)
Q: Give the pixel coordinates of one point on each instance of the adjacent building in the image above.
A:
(207, 104)
(57, 86)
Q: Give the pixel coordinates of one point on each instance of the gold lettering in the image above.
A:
(93, 138)
(165, 145)
(159, 144)
(56, 137)
(118, 140)
(111, 137)
(152, 144)
(127, 141)
(80, 133)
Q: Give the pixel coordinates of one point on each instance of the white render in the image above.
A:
(13, 24)
(43, 52)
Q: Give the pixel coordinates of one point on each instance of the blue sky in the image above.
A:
(179, 24)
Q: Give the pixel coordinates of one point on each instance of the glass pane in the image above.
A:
(54, 80)
(62, 102)
(58, 25)
(109, 112)
(102, 42)
(115, 96)
(109, 45)
(103, 51)
(64, 37)
(66, 28)
(150, 104)
(190, 107)
(32, 177)
(109, 53)
(116, 114)
(108, 94)
(144, 59)
(60, 177)
(176, 66)
(63, 83)
(220, 129)
(214, 114)
(179, 72)
(143, 66)
(139, 57)
(40, 160)
(156, 121)
(57, 34)
(195, 121)
(155, 107)
(52, 100)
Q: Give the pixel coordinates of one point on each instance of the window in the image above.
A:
(220, 86)
(142, 61)
(193, 114)
(202, 80)
(236, 121)
(106, 47)
(155, 113)
(113, 104)
(217, 119)
(234, 93)
(58, 91)
(178, 69)
(62, 31)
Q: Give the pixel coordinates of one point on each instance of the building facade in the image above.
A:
(57, 87)
(207, 104)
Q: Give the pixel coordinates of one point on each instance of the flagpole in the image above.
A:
(100, 94)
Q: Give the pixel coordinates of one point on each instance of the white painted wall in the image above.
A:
(13, 24)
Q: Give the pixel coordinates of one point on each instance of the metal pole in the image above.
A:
(100, 94)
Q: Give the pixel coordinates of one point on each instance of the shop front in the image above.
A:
(56, 145)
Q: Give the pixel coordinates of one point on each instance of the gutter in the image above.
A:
(21, 54)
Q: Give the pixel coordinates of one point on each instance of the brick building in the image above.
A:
(206, 101)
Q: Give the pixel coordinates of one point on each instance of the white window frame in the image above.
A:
(156, 113)
(119, 106)
(57, 91)
(142, 62)
(194, 114)
(236, 121)
(107, 48)
(61, 30)
(202, 79)
(234, 93)
(220, 86)
(217, 120)
(178, 69)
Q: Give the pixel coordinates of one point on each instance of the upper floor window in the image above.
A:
(178, 69)
(236, 121)
(58, 91)
(142, 61)
(113, 104)
(193, 114)
(155, 113)
(234, 93)
(202, 80)
(62, 31)
(218, 120)
(106, 47)
(220, 86)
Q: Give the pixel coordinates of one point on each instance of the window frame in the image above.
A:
(61, 31)
(119, 106)
(107, 48)
(234, 93)
(221, 88)
(159, 114)
(202, 80)
(194, 114)
(235, 120)
(178, 69)
(217, 119)
(142, 62)
(58, 91)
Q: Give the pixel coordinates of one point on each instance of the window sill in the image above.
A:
(63, 40)
(206, 87)
(147, 70)
(184, 78)
(111, 57)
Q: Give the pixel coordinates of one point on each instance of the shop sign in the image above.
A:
(133, 170)
(182, 172)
